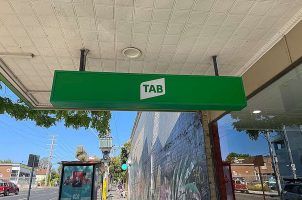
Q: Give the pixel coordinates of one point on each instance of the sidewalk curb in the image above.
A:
(270, 195)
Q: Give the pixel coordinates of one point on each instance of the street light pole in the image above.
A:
(31, 176)
(106, 146)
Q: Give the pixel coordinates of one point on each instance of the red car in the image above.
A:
(240, 185)
(8, 187)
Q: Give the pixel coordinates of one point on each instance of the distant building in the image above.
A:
(294, 135)
(17, 173)
(244, 168)
(41, 176)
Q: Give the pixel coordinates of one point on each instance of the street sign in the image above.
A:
(161, 92)
(33, 160)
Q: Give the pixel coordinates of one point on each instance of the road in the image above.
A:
(36, 194)
(242, 196)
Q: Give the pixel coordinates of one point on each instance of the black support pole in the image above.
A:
(84, 53)
(31, 177)
(215, 65)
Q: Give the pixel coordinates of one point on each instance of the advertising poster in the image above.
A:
(77, 183)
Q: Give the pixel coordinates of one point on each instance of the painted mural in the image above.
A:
(168, 158)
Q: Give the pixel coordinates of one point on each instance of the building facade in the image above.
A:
(16, 173)
(245, 168)
(41, 176)
(168, 159)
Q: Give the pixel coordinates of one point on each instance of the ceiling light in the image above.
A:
(131, 52)
(257, 111)
(12, 54)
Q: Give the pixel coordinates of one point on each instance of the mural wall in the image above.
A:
(168, 158)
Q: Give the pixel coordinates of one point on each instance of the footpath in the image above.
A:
(272, 194)
(114, 194)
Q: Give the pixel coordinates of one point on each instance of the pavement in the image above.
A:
(35, 194)
(244, 196)
(114, 194)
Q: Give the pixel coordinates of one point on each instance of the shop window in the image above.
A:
(14, 173)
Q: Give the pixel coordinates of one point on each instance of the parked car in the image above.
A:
(7, 188)
(292, 189)
(240, 185)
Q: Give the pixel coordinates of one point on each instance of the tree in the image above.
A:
(230, 158)
(6, 161)
(43, 163)
(54, 178)
(81, 154)
(60, 169)
(254, 125)
(115, 167)
(98, 120)
(125, 150)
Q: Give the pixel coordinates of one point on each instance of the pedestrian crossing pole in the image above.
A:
(105, 181)
(33, 162)
(30, 181)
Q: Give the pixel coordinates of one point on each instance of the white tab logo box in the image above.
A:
(152, 88)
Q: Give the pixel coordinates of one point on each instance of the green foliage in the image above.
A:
(261, 123)
(258, 187)
(125, 150)
(60, 169)
(98, 120)
(54, 178)
(115, 167)
(233, 155)
(81, 154)
(6, 161)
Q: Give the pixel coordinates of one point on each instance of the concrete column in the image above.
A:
(209, 155)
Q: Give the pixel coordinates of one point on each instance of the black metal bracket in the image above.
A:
(84, 53)
(215, 65)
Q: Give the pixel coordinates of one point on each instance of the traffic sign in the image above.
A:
(161, 92)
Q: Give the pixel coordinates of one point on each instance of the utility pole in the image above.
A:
(49, 159)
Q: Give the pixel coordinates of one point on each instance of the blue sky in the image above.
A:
(239, 142)
(20, 138)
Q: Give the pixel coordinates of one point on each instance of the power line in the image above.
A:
(68, 147)
(25, 137)
(28, 134)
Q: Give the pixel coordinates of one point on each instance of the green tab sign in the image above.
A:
(160, 92)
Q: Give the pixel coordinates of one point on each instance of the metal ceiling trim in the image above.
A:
(15, 85)
(272, 42)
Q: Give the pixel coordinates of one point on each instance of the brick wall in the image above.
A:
(5, 171)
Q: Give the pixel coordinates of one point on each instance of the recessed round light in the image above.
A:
(131, 52)
(257, 111)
